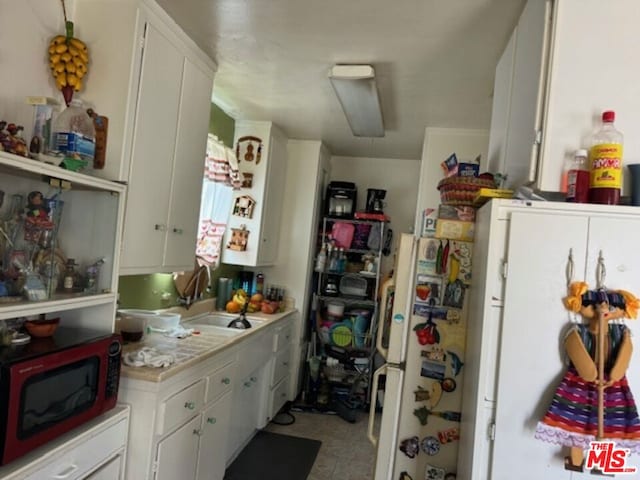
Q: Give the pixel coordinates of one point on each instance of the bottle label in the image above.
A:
(606, 165)
(70, 143)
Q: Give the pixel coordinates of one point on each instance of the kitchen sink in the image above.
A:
(223, 321)
(213, 329)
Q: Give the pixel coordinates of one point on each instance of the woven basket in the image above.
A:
(461, 190)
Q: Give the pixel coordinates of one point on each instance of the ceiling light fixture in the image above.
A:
(355, 86)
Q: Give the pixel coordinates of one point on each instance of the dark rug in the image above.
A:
(272, 456)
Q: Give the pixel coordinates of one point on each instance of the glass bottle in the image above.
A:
(321, 260)
(578, 178)
(74, 133)
(69, 279)
(605, 161)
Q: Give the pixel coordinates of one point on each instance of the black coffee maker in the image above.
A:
(375, 197)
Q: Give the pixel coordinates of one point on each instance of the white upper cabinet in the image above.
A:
(155, 86)
(564, 76)
(268, 172)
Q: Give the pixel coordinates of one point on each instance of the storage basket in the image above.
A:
(462, 190)
(353, 285)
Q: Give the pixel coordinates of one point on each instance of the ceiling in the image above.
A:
(434, 62)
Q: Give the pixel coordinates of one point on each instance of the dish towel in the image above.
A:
(148, 357)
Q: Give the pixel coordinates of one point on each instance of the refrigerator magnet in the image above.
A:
(434, 473)
(433, 370)
(435, 354)
(430, 445)
(410, 446)
(448, 385)
(428, 290)
(423, 415)
(456, 363)
(421, 394)
(454, 294)
(449, 435)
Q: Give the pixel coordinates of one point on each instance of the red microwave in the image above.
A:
(52, 385)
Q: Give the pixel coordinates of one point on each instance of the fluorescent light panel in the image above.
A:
(355, 86)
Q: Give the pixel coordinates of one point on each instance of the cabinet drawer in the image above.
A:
(75, 463)
(277, 398)
(181, 406)
(220, 381)
(282, 337)
(281, 366)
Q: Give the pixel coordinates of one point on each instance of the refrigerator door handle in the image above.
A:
(372, 404)
(381, 324)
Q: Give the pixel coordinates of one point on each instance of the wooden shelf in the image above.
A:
(60, 302)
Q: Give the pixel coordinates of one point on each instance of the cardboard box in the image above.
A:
(429, 218)
(455, 230)
(452, 212)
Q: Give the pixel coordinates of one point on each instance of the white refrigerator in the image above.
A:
(524, 255)
(422, 342)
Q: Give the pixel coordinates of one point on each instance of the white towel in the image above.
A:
(148, 357)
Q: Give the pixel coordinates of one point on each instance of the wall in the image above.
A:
(306, 161)
(27, 26)
(398, 177)
(438, 144)
(147, 291)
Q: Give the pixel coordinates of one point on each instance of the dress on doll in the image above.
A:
(572, 418)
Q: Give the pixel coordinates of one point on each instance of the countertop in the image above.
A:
(194, 349)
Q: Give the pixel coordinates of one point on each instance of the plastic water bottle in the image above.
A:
(605, 158)
(74, 133)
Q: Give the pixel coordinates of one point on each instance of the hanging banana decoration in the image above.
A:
(68, 60)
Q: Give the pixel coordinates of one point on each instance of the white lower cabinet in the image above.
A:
(246, 412)
(214, 429)
(178, 453)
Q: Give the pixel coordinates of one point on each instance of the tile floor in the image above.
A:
(345, 454)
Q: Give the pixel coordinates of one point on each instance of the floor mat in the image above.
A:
(272, 456)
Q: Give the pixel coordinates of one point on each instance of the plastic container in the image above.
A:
(74, 133)
(578, 178)
(605, 161)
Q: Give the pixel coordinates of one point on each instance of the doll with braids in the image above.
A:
(572, 420)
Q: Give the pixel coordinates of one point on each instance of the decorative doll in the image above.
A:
(574, 418)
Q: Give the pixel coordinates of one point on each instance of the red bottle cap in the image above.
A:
(608, 116)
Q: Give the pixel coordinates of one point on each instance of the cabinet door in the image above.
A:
(152, 153)
(247, 404)
(212, 455)
(178, 453)
(274, 196)
(531, 358)
(500, 111)
(527, 92)
(188, 167)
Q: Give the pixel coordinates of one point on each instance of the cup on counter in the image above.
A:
(132, 327)
(223, 295)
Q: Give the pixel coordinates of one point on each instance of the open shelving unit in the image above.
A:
(350, 348)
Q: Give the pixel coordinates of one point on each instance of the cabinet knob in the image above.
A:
(247, 384)
(189, 405)
(285, 363)
(160, 227)
(264, 240)
(178, 231)
(283, 394)
(226, 381)
(253, 379)
(211, 420)
(198, 432)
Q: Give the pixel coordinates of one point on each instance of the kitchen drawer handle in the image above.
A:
(189, 405)
(247, 384)
(211, 420)
(226, 380)
(198, 432)
(179, 231)
(66, 472)
(160, 227)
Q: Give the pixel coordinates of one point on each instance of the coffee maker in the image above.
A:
(375, 199)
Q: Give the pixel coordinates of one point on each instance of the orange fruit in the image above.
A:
(233, 307)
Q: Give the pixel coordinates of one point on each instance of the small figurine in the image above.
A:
(36, 217)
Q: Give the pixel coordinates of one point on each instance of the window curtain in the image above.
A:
(221, 177)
